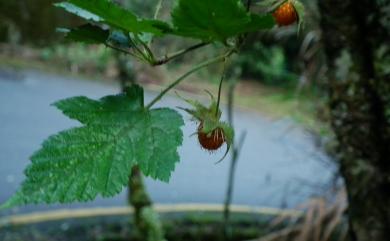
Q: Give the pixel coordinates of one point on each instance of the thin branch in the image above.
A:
(177, 54)
(196, 68)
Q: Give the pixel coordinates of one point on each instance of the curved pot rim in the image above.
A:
(61, 214)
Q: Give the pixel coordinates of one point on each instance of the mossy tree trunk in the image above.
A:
(147, 223)
(356, 38)
(148, 226)
(146, 220)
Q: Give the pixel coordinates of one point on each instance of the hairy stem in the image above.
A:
(220, 87)
(193, 70)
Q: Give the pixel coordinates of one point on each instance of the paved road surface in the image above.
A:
(279, 165)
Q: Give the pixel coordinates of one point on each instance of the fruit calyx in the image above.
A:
(212, 132)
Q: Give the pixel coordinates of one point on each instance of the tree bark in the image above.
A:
(147, 222)
(356, 38)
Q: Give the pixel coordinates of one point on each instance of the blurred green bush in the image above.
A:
(267, 64)
(81, 58)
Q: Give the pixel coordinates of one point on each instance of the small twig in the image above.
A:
(177, 54)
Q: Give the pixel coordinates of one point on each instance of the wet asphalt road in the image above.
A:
(279, 165)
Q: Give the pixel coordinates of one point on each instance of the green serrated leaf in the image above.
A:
(104, 11)
(88, 33)
(215, 20)
(96, 159)
(74, 9)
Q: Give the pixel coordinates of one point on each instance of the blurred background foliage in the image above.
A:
(277, 68)
(286, 67)
(270, 58)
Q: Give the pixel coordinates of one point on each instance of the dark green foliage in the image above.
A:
(216, 20)
(109, 13)
(268, 64)
(87, 33)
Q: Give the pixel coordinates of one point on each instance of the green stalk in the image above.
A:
(193, 70)
(220, 87)
(155, 16)
(158, 8)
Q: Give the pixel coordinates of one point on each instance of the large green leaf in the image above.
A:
(216, 19)
(96, 159)
(105, 11)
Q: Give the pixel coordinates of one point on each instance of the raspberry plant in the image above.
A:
(120, 132)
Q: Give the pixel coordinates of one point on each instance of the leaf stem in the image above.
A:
(158, 8)
(117, 48)
(123, 51)
(155, 16)
(220, 87)
(193, 70)
(179, 53)
(135, 46)
(150, 55)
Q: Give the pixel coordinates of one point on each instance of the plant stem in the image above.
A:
(172, 56)
(158, 8)
(137, 49)
(220, 87)
(229, 192)
(155, 16)
(117, 49)
(193, 70)
(150, 55)
(233, 163)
